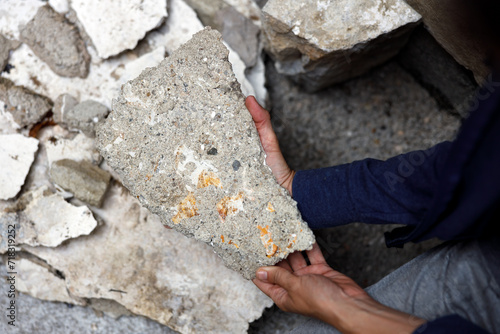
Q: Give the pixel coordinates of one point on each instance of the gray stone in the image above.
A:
(240, 33)
(467, 41)
(84, 180)
(6, 45)
(448, 82)
(57, 42)
(27, 107)
(158, 137)
(156, 272)
(17, 153)
(84, 116)
(62, 105)
(207, 10)
(323, 42)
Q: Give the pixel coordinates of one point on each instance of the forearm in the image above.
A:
(398, 190)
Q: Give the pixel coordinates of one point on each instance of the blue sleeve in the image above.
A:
(450, 324)
(396, 191)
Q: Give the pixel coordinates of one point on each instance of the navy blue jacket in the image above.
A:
(451, 191)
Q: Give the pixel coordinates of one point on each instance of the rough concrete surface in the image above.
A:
(182, 140)
(156, 272)
(320, 43)
(17, 153)
(81, 178)
(27, 107)
(57, 42)
(116, 26)
(6, 45)
(47, 219)
(85, 116)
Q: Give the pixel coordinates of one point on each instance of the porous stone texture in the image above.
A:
(84, 116)
(175, 134)
(17, 153)
(26, 107)
(116, 26)
(84, 180)
(63, 104)
(324, 42)
(435, 69)
(46, 219)
(37, 281)
(6, 45)
(462, 39)
(57, 42)
(240, 33)
(156, 272)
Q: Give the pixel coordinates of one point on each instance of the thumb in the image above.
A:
(277, 275)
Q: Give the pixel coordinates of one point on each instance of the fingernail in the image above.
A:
(262, 275)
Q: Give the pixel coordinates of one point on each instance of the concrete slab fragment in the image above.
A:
(17, 153)
(57, 42)
(174, 135)
(324, 42)
(116, 26)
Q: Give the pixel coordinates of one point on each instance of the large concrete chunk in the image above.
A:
(152, 271)
(182, 140)
(116, 26)
(324, 42)
(26, 107)
(57, 42)
(17, 153)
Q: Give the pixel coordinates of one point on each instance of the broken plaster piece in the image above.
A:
(17, 153)
(184, 120)
(116, 26)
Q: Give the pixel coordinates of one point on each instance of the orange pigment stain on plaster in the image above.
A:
(208, 179)
(267, 240)
(229, 205)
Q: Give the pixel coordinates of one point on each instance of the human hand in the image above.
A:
(274, 159)
(318, 291)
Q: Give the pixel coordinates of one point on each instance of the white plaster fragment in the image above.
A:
(116, 26)
(79, 148)
(16, 13)
(17, 153)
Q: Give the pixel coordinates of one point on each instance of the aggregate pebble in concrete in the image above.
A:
(57, 42)
(174, 135)
(84, 180)
(63, 104)
(84, 116)
(26, 107)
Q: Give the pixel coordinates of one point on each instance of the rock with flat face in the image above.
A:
(84, 116)
(184, 143)
(116, 26)
(324, 42)
(17, 153)
(57, 42)
(26, 107)
(6, 45)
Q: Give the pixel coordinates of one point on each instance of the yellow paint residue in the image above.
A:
(222, 238)
(230, 205)
(233, 243)
(186, 209)
(208, 179)
(267, 240)
(270, 207)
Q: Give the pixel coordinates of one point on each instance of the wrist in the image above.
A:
(365, 315)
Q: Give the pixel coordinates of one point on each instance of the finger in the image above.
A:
(278, 276)
(273, 291)
(262, 121)
(297, 261)
(315, 255)
(285, 265)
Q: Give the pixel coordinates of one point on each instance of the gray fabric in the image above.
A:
(454, 278)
